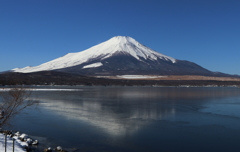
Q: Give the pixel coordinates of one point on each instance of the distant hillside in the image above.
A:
(59, 78)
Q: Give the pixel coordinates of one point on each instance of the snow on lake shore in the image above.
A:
(18, 144)
(33, 89)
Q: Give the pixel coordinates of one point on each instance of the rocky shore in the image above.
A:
(24, 143)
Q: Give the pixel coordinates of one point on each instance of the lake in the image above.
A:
(167, 119)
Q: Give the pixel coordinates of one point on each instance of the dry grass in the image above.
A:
(181, 77)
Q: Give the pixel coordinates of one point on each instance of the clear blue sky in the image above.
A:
(206, 32)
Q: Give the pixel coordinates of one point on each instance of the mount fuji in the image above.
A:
(120, 55)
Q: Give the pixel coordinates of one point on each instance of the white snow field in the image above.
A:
(98, 64)
(118, 44)
(138, 76)
(17, 148)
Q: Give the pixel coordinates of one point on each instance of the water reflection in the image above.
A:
(111, 120)
(136, 119)
(124, 110)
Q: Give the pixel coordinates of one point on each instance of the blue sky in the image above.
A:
(206, 32)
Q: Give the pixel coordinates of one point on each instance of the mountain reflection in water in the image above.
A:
(118, 121)
(136, 118)
(121, 111)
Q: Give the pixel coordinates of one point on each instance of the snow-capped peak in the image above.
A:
(124, 44)
(121, 39)
(131, 46)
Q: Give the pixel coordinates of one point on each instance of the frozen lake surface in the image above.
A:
(135, 118)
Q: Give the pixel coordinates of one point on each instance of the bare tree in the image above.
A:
(13, 102)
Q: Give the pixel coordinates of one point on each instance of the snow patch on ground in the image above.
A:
(32, 89)
(94, 65)
(18, 144)
(138, 76)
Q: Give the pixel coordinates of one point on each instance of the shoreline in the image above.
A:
(9, 136)
(22, 144)
(55, 78)
(8, 87)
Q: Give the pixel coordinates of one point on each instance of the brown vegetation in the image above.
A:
(60, 78)
(181, 77)
(13, 102)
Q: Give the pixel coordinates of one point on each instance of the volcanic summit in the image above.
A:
(120, 55)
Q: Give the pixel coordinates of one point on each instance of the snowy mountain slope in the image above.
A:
(116, 45)
(120, 55)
